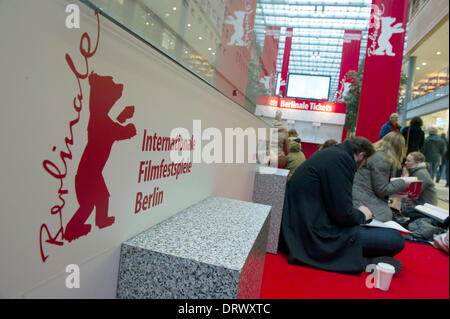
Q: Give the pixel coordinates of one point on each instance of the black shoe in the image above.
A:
(438, 179)
(397, 264)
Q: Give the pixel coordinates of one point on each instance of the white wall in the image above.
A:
(37, 90)
(426, 19)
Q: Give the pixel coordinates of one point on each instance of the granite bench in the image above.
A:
(269, 189)
(213, 249)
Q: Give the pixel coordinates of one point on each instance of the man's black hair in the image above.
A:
(361, 144)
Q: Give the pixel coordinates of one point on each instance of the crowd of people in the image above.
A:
(342, 186)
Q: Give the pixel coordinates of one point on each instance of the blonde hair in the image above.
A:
(393, 146)
(417, 157)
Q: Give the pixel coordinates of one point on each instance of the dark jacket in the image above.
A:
(433, 149)
(320, 227)
(416, 138)
(387, 128)
(372, 187)
(446, 152)
(294, 158)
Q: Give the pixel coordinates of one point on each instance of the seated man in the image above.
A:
(320, 228)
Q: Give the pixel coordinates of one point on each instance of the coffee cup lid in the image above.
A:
(386, 268)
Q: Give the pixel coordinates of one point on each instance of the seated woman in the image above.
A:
(292, 135)
(326, 144)
(416, 165)
(372, 185)
(295, 157)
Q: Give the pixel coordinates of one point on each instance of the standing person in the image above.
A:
(444, 163)
(283, 144)
(434, 151)
(320, 227)
(446, 166)
(391, 126)
(372, 185)
(416, 135)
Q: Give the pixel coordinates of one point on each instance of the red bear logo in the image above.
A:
(102, 132)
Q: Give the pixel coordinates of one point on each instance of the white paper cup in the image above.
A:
(385, 273)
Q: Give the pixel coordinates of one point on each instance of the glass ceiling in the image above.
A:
(318, 32)
(190, 32)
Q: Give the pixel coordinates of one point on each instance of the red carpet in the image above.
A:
(425, 275)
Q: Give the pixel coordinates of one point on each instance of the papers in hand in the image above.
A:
(432, 211)
(389, 224)
(412, 191)
(406, 179)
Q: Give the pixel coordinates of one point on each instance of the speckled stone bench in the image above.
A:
(269, 189)
(213, 249)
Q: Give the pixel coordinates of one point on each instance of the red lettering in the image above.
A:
(144, 204)
(141, 171)
(158, 147)
(50, 240)
(49, 166)
(137, 207)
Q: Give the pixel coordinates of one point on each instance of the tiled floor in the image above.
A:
(442, 194)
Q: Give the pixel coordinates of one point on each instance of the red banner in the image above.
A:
(349, 61)
(301, 104)
(235, 50)
(285, 66)
(269, 59)
(381, 81)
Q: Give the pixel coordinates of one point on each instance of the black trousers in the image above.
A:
(377, 242)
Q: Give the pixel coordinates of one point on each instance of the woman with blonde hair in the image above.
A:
(416, 165)
(372, 185)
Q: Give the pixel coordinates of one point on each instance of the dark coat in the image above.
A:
(320, 227)
(416, 138)
(388, 128)
(433, 149)
(446, 151)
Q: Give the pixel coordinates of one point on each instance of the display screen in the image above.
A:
(304, 86)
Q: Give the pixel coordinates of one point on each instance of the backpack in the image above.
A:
(425, 228)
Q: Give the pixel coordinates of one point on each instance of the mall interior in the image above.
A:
(131, 134)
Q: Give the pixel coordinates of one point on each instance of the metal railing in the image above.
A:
(428, 98)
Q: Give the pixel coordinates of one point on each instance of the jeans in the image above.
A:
(377, 242)
(433, 169)
(442, 168)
